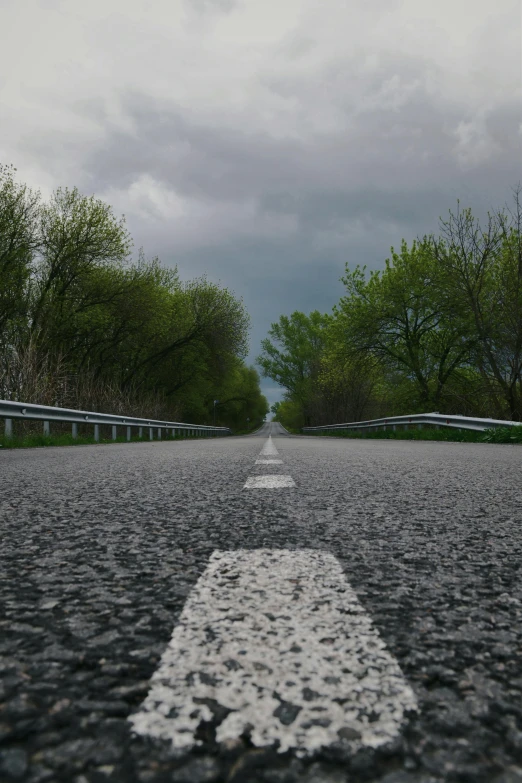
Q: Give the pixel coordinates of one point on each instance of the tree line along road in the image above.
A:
(265, 608)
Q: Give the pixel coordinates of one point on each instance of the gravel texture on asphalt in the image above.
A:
(101, 546)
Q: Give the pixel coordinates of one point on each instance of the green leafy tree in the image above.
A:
(79, 238)
(483, 273)
(289, 413)
(240, 402)
(402, 317)
(275, 408)
(95, 327)
(19, 210)
(349, 383)
(292, 355)
(439, 328)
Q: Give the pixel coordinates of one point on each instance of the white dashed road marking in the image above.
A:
(268, 482)
(278, 643)
(269, 449)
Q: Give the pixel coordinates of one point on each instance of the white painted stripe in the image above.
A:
(269, 450)
(269, 461)
(268, 482)
(279, 640)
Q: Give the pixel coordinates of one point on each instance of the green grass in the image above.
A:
(493, 435)
(39, 441)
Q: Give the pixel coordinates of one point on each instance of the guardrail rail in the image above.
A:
(10, 410)
(419, 420)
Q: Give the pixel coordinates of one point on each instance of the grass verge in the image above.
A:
(39, 441)
(493, 435)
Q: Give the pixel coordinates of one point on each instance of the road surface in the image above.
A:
(265, 608)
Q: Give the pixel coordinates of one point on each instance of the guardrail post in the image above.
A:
(419, 426)
(128, 433)
(46, 428)
(159, 433)
(394, 427)
(151, 433)
(8, 428)
(173, 432)
(97, 432)
(74, 430)
(140, 432)
(114, 432)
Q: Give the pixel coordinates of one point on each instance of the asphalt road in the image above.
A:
(104, 547)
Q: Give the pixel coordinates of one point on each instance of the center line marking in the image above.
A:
(269, 482)
(275, 644)
(268, 449)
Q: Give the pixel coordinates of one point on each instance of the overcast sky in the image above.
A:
(267, 142)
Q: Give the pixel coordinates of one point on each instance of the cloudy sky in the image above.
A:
(267, 142)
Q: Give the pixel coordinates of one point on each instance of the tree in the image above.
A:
(439, 327)
(402, 317)
(79, 236)
(19, 241)
(289, 414)
(240, 399)
(105, 330)
(348, 384)
(275, 408)
(292, 355)
(200, 323)
(483, 269)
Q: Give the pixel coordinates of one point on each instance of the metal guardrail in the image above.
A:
(419, 419)
(10, 410)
